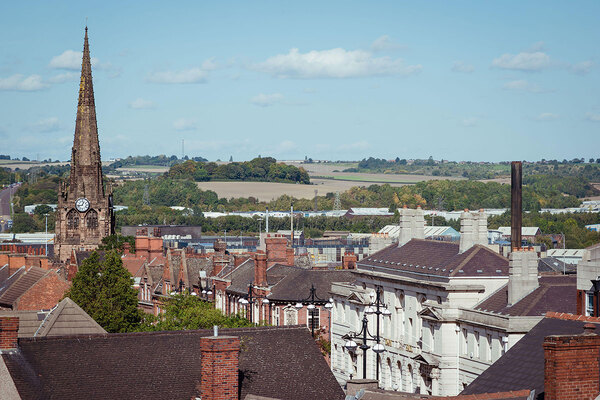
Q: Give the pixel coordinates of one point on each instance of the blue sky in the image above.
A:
(460, 80)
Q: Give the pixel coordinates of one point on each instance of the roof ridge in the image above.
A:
(537, 297)
(571, 317)
(222, 332)
(465, 261)
(488, 396)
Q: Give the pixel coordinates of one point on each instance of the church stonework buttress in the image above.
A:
(85, 211)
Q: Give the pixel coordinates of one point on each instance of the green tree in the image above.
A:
(104, 290)
(183, 312)
(116, 242)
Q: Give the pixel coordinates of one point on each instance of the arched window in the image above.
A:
(399, 378)
(409, 379)
(91, 219)
(72, 219)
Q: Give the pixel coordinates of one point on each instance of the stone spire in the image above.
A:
(86, 168)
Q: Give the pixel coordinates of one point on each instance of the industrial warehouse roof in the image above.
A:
(394, 230)
(362, 211)
(437, 258)
(166, 365)
(525, 230)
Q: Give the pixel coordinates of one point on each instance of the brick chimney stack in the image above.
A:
(260, 270)
(9, 330)
(522, 274)
(473, 229)
(349, 261)
(276, 250)
(219, 367)
(571, 368)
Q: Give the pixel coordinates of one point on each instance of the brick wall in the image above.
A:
(219, 367)
(276, 250)
(571, 369)
(9, 329)
(44, 295)
(260, 269)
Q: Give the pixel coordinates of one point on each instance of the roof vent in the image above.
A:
(480, 271)
(443, 269)
(498, 270)
(460, 271)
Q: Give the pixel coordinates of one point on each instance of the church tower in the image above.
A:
(85, 212)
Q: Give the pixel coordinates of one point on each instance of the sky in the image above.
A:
(334, 80)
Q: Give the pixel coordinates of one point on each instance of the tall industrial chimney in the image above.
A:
(516, 204)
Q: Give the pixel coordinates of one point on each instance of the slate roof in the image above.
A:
(439, 258)
(82, 255)
(277, 362)
(522, 367)
(296, 285)
(67, 318)
(555, 293)
(243, 276)
(23, 279)
(551, 264)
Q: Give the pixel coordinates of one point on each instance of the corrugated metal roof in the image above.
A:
(525, 230)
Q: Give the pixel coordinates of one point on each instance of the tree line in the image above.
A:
(265, 169)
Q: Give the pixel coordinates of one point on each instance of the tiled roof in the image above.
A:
(555, 293)
(296, 285)
(14, 288)
(82, 255)
(438, 258)
(134, 265)
(276, 362)
(522, 367)
(378, 394)
(243, 276)
(67, 318)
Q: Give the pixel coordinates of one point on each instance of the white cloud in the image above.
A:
(524, 61)
(70, 59)
(594, 117)
(469, 122)
(523, 86)
(209, 65)
(266, 100)
(582, 68)
(192, 75)
(334, 63)
(384, 43)
(46, 125)
(65, 77)
(22, 83)
(460, 66)
(184, 124)
(546, 116)
(140, 103)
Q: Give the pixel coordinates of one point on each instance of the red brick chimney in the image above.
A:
(126, 248)
(276, 250)
(571, 369)
(349, 261)
(9, 330)
(290, 255)
(219, 367)
(260, 270)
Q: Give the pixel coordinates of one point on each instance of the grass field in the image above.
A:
(144, 168)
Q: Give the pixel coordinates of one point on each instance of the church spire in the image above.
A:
(86, 169)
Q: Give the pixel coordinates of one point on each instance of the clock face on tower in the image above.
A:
(82, 204)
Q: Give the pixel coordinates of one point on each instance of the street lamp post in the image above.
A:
(377, 307)
(313, 300)
(250, 300)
